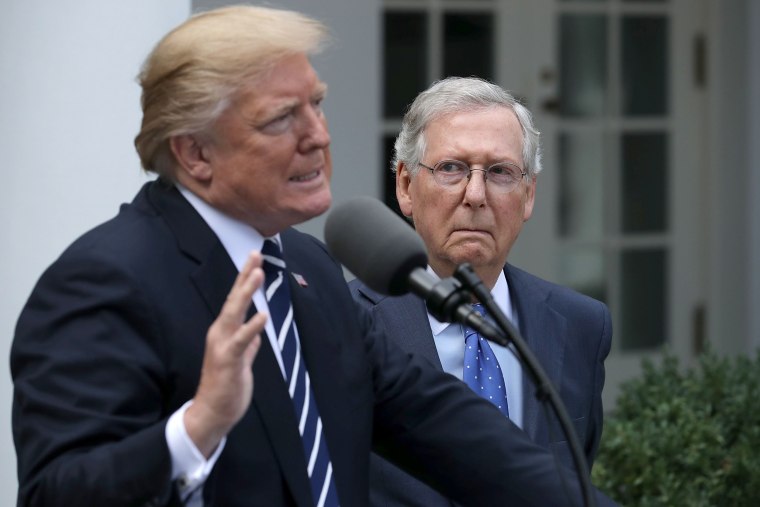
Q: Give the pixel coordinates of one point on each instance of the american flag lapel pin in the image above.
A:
(300, 280)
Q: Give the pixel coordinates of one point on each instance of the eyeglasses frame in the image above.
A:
(432, 170)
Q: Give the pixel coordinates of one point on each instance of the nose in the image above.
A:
(475, 190)
(316, 134)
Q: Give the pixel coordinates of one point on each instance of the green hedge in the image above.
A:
(687, 438)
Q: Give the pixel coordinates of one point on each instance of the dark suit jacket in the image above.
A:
(570, 336)
(111, 342)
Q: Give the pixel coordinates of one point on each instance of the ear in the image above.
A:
(403, 181)
(191, 156)
(530, 198)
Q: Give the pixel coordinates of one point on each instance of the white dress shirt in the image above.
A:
(449, 341)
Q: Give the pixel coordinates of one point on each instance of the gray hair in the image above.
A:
(457, 94)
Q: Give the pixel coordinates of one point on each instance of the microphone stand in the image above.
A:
(447, 301)
(544, 389)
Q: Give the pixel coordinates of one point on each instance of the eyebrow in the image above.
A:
(280, 109)
(320, 89)
(319, 92)
(485, 165)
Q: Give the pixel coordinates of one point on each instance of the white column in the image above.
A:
(70, 111)
(730, 281)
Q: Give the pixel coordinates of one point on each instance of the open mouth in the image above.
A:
(306, 177)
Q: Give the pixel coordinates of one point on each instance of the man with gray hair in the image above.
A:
(466, 163)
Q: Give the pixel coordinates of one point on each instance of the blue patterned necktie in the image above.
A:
(482, 372)
(317, 456)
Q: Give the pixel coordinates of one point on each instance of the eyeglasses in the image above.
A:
(504, 176)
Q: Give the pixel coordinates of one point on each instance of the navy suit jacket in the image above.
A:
(111, 343)
(570, 335)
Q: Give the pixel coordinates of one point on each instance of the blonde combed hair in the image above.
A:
(189, 77)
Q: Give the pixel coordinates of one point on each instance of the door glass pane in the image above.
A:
(582, 268)
(405, 60)
(643, 299)
(645, 65)
(583, 64)
(468, 45)
(581, 184)
(644, 183)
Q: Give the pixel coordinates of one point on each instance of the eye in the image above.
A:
(278, 125)
(504, 171)
(317, 104)
(450, 167)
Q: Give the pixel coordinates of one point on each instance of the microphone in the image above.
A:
(385, 253)
(375, 244)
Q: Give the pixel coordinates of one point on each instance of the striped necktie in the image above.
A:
(317, 456)
(482, 372)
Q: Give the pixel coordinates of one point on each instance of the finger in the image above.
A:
(247, 282)
(252, 350)
(254, 260)
(248, 332)
(250, 268)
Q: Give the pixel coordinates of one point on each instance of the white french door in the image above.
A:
(619, 96)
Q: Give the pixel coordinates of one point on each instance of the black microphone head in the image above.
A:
(374, 244)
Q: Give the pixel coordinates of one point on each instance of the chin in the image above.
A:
(471, 251)
(315, 207)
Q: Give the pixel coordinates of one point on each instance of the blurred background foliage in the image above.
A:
(685, 436)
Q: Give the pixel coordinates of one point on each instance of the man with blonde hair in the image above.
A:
(135, 358)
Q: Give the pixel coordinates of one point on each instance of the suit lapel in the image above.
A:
(215, 272)
(323, 338)
(320, 348)
(406, 322)
(275, 408)
(544, 332)
(213, 278)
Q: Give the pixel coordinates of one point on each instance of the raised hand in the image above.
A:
(226, 384)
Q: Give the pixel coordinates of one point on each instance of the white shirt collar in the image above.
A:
(238, 238)
(500, 294)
